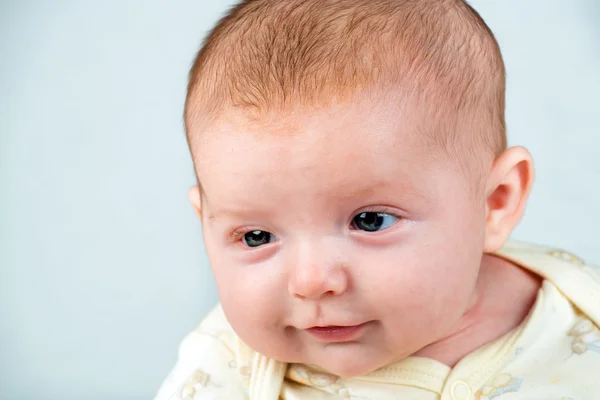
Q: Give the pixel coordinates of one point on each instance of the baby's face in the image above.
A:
(337, 238)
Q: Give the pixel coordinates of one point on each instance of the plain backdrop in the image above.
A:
(102, 269)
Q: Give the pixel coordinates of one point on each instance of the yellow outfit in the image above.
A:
(553, 354)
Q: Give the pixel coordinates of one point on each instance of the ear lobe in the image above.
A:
(194, 198)
(508, 189)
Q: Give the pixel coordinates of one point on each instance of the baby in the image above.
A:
(356, 195)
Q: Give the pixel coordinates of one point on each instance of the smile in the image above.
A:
(336, 333)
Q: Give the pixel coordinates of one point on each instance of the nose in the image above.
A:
(316, 272)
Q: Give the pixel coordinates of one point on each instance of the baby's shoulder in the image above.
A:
(577, 279)
(561, 362)
(212, 363)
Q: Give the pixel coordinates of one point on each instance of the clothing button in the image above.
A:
(461, 390)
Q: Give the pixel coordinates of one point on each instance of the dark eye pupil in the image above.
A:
(369, 221)
(257, 238)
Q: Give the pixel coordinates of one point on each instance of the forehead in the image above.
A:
(362, 146)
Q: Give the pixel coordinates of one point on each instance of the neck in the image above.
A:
(503, 297)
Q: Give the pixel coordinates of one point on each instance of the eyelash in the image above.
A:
(380, 210)
(237, 234)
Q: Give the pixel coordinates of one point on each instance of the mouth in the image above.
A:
(333, 333)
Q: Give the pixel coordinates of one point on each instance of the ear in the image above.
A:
(194, 198)
(507, 191)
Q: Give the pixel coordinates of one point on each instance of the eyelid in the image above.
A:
(394, 212)
(235, 235)
(379, 209)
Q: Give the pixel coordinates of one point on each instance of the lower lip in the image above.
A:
(336, 333)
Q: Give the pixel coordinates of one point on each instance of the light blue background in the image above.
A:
(102, 269)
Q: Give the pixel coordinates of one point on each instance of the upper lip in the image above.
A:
(333, 326)
(345, 325)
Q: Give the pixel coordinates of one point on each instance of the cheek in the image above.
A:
(427, 278)
(250, 292)
(252, 307)
(251, 297)
(415, 278)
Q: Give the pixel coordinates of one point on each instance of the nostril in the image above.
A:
(299, 296)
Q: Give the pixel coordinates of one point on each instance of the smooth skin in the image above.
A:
(344, 216)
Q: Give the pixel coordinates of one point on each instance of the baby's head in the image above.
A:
(353, 170)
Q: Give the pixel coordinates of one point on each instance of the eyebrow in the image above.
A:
(232, 212)
(403, 192)
(226, 212)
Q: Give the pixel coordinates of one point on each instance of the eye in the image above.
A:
(374, 221)
(258, 238)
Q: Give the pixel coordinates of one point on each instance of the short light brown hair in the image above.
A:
(272, 55)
